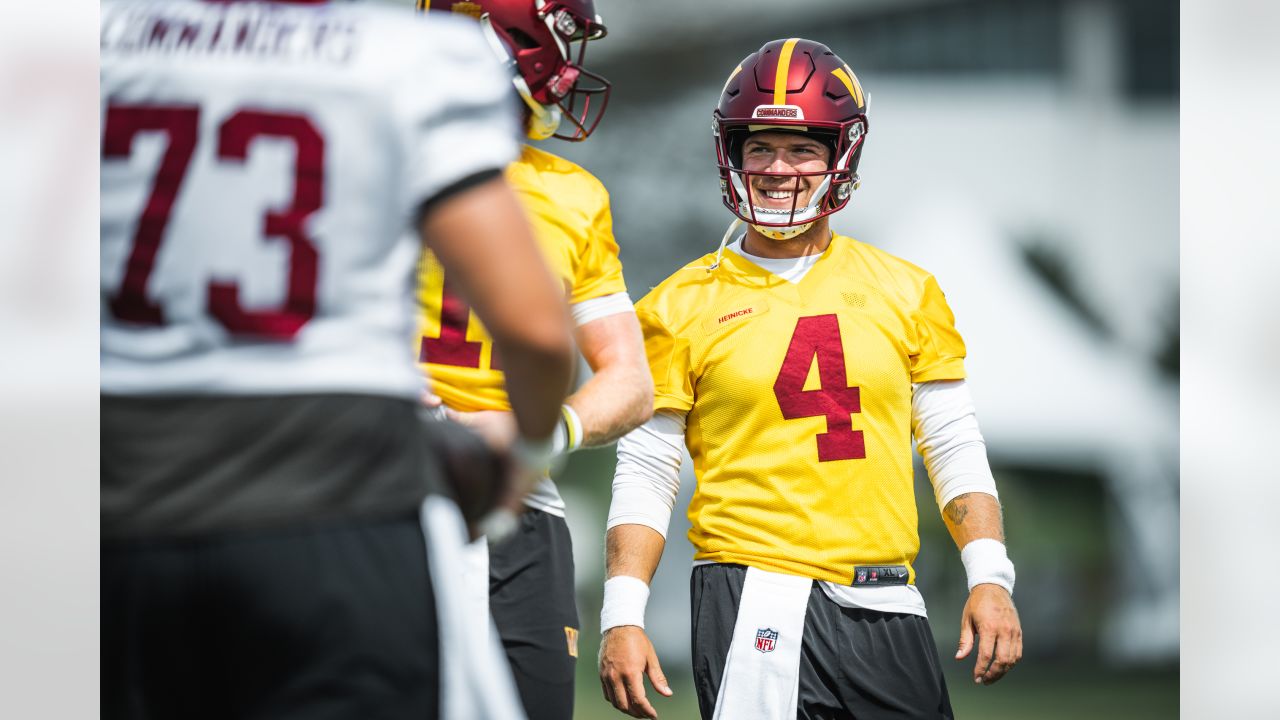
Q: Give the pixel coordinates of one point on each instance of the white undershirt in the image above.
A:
(789, 269)
(647, 479)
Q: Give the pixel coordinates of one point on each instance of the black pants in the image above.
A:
(532, 602)
(854, 664)
(311, 622)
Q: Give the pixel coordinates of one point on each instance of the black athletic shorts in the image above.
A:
(531, 598)
(262, 557)
(854, 664)
(192, 464)
(312, 623)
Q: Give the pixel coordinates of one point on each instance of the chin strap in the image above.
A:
(543, 120)
(782, 233)
(733, 226)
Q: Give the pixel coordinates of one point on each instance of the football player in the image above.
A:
(528, 577)
(274, 543)
(796, 365)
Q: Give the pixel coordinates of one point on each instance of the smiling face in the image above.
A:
(785, 153)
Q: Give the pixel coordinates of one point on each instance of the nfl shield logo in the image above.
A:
(766, 640)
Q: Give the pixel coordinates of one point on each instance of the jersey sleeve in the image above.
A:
(455, 111)
(940, 349)
(668, 356)
(554, 236)
(600, 270)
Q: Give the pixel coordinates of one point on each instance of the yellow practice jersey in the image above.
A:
(569, 211)
(798, 402)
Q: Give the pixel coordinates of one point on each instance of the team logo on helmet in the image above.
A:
(790, 112)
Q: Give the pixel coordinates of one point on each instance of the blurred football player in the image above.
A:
(796, 365)
(528, 578)
(275, 544)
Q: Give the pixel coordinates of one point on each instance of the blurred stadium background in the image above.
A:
(1026, 153)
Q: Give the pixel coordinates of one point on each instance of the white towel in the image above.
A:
(475, 583)
(762, 671)
(475, 679)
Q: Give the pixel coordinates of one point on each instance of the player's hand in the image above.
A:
(499, 430)
(991, 616)
(626, 657)
(433, 405)
(478, 476)
(497, 427)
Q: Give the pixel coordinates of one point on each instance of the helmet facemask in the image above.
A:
(567, 91)
(832, 192)
(538, 40)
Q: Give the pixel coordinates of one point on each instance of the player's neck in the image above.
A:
(813, 241)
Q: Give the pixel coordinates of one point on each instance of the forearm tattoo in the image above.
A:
(956, 510)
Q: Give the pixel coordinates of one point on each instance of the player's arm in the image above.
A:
(645, 485)
(481, 237)
(626, 654)
(619, 395)
(457, 130)
(616, 399)
(955, 456)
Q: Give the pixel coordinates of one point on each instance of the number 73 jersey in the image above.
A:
(261, 167)
(798, 402)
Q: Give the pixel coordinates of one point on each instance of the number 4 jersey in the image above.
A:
(798, 403)
(260, 166)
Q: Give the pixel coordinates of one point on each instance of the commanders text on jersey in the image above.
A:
(237, 30)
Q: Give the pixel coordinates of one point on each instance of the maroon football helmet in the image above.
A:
(540, 37)
(795, 85)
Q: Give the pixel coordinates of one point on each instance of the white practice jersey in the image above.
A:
(260, 164)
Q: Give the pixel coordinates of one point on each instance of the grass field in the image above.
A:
(1029, 693)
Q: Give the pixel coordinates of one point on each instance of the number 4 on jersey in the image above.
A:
(819, 337)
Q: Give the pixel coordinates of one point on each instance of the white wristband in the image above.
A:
(624, 601)
(986, 561)
(568, 434)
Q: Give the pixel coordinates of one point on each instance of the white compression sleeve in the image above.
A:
(647, 479)
(947, 436)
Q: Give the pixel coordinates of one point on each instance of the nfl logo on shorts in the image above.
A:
(766, 640)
